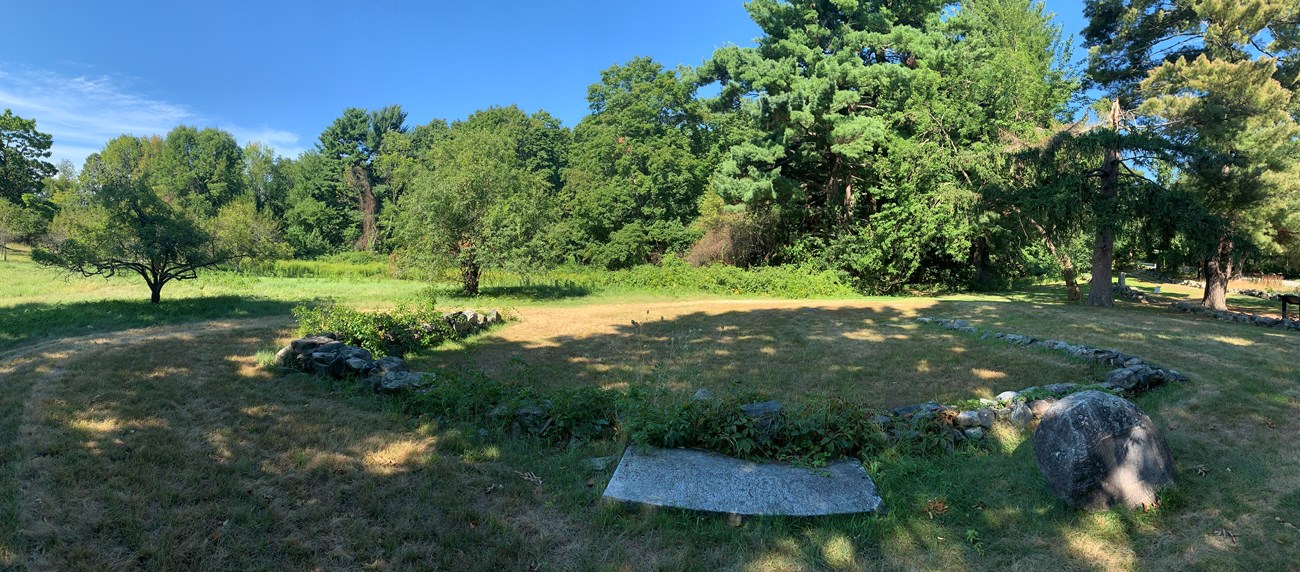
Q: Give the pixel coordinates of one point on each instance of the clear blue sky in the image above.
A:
(281, 71)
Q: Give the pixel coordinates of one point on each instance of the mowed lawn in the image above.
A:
(168, 447)
(869, 351)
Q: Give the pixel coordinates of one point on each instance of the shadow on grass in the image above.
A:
(295, 473)
(877, 356)
(27, 322)
(174, 460)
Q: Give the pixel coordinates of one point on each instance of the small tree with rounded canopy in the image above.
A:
(134, 222)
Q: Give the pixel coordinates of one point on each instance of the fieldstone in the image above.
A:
(391, 363)
(394, 381)
(882, 420)
(286, 358)
(702, 394)
(1039, 407)
(762, 409)
(1007, 395)
(1099, 451)
(356, 352)
(910, 410)
(461, 328)
(305, 345)
(1021, 415)
(331, 363)
(532, 417)
(986, 417)
(472, 317)
(704, 481)
(974, 433)
(968, 419)
(1018, 339)
(1122, 379)
(492, 317)
(766, 414)
(359, 365)
(1060, 388)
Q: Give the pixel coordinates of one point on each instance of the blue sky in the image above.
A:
(279, 72)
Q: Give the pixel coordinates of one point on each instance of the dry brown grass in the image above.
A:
(869, 351)
(169, 449)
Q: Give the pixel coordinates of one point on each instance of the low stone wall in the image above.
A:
(1262, 295)
(1132, 375)
(323, 354)
(1130, 293)
(1235, 317)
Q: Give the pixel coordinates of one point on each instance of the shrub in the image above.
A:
(382, 333)
(816, 432)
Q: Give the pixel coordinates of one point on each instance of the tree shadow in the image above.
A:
(147, 456)
(876, 355)
(23, 323)
(168, 457)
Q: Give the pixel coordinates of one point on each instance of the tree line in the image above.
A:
(922, 144)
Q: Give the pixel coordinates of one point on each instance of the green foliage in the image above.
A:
(485, 195)
(876, 128)
(23, 151)
(383, 333)
(16, 222)
(156, 208)
(638, 164)
(814, 433)
(268, 178)
(676, 275)
(324, 268)
(200, 170)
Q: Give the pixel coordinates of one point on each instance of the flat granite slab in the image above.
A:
(701, 480)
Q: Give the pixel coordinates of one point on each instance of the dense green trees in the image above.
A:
(157, 208)
(928, 144)
(1216, 81)
(485, 194)
(870, 127)
(638, 166)
(23, 151)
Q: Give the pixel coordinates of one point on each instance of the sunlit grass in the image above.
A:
(173, 448)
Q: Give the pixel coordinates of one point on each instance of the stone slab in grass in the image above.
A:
(700, 480)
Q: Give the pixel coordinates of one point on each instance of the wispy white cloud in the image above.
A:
(83, 112)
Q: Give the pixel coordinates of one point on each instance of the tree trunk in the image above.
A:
(1218, 270)
(980, 258)
(155, 292)
(1063, 258)
(469, 275)
(366, 204)
(1103, 250)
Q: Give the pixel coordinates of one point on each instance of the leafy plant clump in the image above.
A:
(814, 433)
(382, 333)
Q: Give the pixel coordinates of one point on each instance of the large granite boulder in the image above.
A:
(1098, 451)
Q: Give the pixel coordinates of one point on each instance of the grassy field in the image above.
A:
(148, 438)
